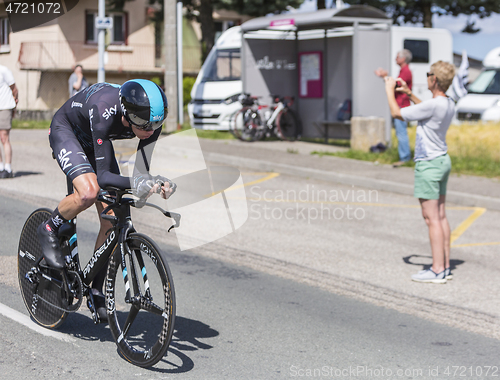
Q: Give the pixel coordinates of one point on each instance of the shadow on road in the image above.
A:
(415, 260)
(186, 338)
(23, 174)
(187, 335)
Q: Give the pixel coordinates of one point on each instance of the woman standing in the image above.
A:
(433, 164)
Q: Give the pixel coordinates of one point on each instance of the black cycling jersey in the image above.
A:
(82, 130)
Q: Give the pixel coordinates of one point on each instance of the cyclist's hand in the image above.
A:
(164, 186)
(143, 186)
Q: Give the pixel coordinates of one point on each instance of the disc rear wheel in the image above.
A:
(37, 290)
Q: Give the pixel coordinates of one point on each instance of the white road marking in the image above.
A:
(26, 321)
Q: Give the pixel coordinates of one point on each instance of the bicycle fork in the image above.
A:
(131, 280)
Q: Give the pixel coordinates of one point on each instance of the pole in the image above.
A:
(170, 78)
(100, 43)
(180, 107)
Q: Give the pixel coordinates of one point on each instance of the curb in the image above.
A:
(463, 199)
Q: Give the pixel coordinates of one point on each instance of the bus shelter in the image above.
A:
(325, 59)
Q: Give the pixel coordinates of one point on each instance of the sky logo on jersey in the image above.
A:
(64, 159)
(76, 104)
(99, 141)
(108, 112)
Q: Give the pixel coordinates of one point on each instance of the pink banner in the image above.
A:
(311, 74)
(284, 22)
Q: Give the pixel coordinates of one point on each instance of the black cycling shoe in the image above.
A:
(100, 308)
(50, 247)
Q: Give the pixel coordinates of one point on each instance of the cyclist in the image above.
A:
(80, 136)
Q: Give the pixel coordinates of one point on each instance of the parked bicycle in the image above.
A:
(141, 311)
(255, 121)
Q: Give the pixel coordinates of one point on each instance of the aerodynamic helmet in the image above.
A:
(144, 104)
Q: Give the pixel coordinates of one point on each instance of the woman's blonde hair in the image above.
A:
(444, 73)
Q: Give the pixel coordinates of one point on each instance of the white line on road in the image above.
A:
(26, 321)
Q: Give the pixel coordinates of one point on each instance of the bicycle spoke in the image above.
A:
(132, 314)
(150, 306)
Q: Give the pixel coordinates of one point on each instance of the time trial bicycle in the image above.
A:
(140, 310)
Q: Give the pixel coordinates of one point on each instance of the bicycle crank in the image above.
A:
(76, 291)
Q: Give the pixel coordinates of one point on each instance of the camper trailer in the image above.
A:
(482, 103)
(215, 92)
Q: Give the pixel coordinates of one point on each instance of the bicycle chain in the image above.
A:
(78, 304)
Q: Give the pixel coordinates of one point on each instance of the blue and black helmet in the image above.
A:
(144, 104)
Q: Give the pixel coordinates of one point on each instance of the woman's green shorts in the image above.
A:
(431, 177)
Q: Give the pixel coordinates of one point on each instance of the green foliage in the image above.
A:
(256, 8)
(421, 11)
(157, 80)
(30, 124)
(187, 86)
(388, 157)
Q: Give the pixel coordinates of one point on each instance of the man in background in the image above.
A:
(403, 58)
(8, 102)
(77, 81)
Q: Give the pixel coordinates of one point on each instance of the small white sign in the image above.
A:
(104, 22)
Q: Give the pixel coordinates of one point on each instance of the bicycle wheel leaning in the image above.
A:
(235, 124)
(143, 327)
(288, 127)
(37, 290)
(248, 125)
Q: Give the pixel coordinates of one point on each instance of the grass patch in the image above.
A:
(208, 134)
(30, 124)
(214, 135)
(473, 149)
(319, 140)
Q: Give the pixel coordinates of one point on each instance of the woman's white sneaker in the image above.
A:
(429, 276)
(447, 274)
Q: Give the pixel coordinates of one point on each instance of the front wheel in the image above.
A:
(141, 311)
(288, 125)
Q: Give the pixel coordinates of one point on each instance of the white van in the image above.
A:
(215, 92)
(482, 102)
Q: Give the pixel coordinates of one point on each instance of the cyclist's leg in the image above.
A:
(74, 163)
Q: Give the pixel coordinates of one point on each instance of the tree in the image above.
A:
(421, 11)
(202, 11)
(257, 8)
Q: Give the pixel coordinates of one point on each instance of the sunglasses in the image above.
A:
(144, 125)
(149, 126)
(429, 74)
